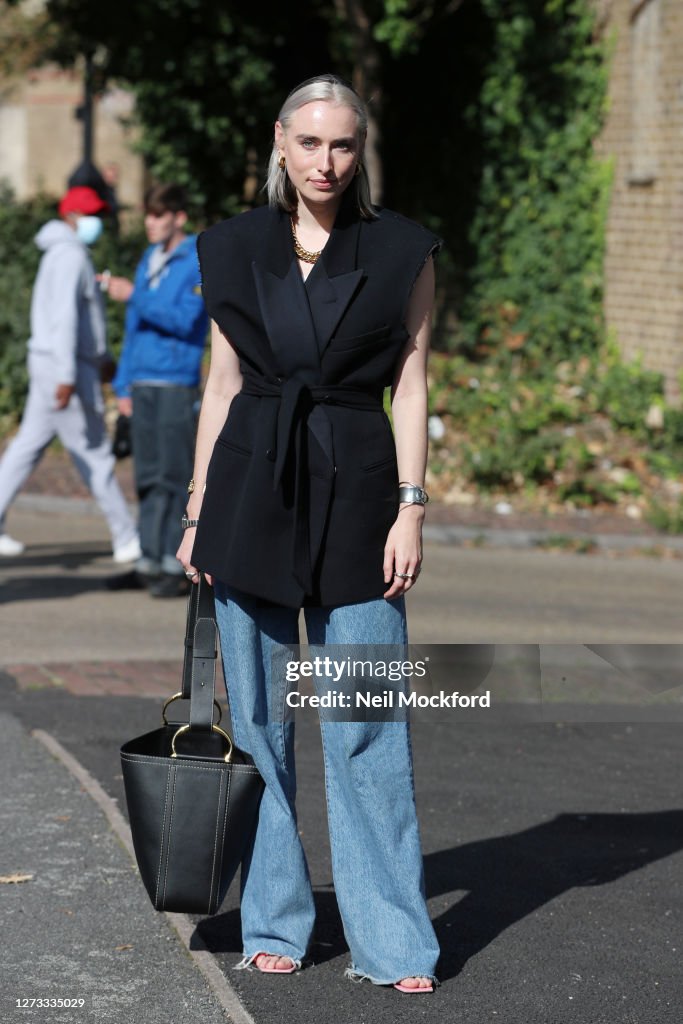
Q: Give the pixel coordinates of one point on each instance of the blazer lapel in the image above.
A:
(300, 318)
(336, 277)
(329, 298)
(284, 303)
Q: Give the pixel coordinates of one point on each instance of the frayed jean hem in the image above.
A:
(354, 975)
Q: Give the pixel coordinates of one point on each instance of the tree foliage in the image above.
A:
(209, 77)
(484, 112)
(535, 283)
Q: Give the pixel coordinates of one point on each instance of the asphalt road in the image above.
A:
(553, 857)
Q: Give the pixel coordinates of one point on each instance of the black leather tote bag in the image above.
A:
(192, 795)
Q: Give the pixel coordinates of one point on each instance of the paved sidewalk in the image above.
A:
(78, 928)
(56, 485)
(97, 678)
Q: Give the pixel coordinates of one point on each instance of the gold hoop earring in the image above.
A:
(282, 163)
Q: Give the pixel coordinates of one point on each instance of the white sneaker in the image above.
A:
(9, 546)
(128, 552)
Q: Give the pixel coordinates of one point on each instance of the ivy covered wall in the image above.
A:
(537, 235)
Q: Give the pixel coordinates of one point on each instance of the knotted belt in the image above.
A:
(296, 401)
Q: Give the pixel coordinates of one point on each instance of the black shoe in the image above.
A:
(127, 581)
(170, 585)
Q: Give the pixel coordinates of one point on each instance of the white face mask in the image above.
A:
(89, 229)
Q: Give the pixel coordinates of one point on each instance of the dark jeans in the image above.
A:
(163, 434)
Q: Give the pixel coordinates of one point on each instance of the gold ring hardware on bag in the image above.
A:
(179, 696)
(215, 728)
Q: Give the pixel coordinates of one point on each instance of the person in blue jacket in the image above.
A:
(158, 378)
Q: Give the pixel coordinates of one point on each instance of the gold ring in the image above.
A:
(179, 696)
(215, 728)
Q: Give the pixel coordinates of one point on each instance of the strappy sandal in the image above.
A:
(414, 990)
(276, 970)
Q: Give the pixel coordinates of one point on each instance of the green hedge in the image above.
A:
(19, 258)
(582, 433)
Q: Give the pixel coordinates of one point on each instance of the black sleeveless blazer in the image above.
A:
(302, 487)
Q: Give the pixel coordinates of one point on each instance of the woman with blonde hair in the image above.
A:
(304, 498)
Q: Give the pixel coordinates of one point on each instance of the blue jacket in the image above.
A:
(166, 326)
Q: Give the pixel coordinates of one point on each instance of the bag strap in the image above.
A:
(199, 670)
(204, 651)
(189, 641)
(199, 603)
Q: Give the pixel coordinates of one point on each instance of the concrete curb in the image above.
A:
(493, 537)
(183, 926)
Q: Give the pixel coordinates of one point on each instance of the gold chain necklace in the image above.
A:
(303, 254)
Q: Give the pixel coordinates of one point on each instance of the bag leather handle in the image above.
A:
(199, 604)
(203, 675)
(199, 666)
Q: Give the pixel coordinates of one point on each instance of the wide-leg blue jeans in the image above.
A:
(374, 835)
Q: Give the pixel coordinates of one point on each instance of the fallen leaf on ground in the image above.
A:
(10, 879)
(124, 946)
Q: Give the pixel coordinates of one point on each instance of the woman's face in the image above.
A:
(322, 148)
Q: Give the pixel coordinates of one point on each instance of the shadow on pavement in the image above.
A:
(67, 556)
(223, 933)
(507, 878)
(33, 588)
(510, 877)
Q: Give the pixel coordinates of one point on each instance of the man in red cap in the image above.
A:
(66, 351)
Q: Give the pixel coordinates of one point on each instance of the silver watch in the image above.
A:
(411, 494)
(186, 523)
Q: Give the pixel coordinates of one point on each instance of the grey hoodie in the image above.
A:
(67, 314)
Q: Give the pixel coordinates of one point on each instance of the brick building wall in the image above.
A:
(644, 136)
(41, 141)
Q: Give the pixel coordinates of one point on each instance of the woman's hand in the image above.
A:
(184, 556)
(403, 550)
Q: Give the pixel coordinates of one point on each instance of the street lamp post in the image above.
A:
(87, 173)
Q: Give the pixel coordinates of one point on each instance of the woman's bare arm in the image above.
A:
(403, 550)
(222, 384)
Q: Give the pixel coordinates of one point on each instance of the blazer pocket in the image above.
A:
(233, 446)
(362, 340)
(372, 467)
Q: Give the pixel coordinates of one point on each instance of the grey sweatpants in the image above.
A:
(81, 429)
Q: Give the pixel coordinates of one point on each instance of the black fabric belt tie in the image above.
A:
(296, 400)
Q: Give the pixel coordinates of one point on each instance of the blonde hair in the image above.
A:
(330, 89)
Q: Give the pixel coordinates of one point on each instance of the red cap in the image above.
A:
(82, 199)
